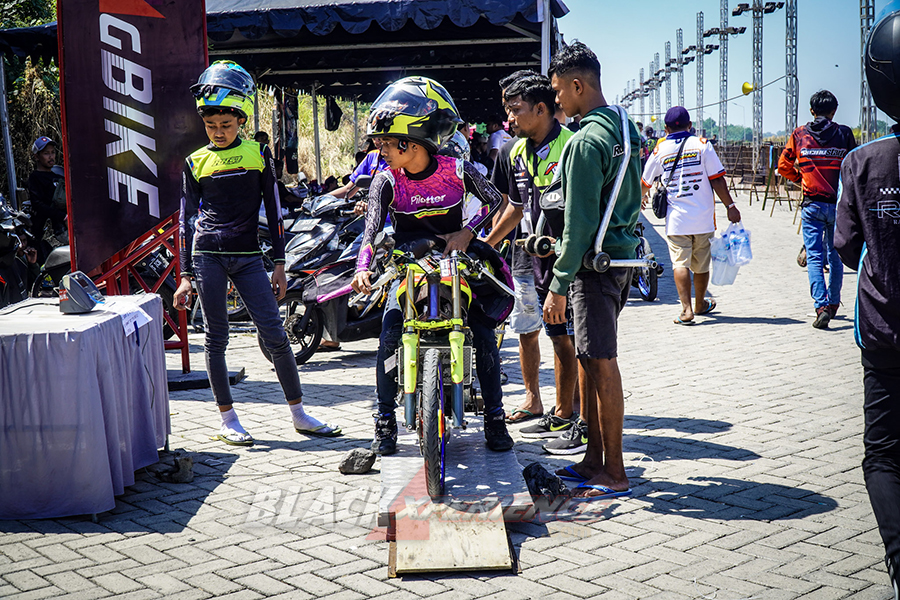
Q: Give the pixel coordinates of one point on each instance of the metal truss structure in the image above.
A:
(867, 115)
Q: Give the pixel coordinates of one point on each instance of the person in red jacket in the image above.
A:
(813, 157)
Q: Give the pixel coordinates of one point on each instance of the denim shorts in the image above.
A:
(527, 313)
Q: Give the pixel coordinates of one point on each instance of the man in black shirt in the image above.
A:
(45, 204)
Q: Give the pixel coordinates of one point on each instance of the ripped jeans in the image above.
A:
(487, 358)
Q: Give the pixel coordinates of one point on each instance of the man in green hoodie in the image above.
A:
(589, 166)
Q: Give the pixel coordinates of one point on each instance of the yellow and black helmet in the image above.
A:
(417, 109)
(225, 85)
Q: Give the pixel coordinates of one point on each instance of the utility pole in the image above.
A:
(699, 115)
(668, 75)
(656, 82)
(791, 91)
(679, 48)
(723, 72)
(867, 114)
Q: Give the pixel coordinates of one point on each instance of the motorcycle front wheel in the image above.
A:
(304, 334)
(646, 278)
(433, 423)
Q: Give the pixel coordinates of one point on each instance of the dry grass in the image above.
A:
(338, 147)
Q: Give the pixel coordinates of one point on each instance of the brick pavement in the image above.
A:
(742, 441)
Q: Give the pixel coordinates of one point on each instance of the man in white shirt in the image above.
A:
(691, 215)
(498, 136)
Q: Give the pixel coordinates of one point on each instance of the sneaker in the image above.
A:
(496, 436)
(893, 568)
(832, 309)
(385, 441)
(823, 317)
(550, 426)
(573, 441)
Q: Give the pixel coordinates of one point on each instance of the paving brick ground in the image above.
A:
(742, 440)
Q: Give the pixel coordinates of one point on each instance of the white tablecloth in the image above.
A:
(82, 405)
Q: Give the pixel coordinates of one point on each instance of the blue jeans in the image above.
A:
(487, 358)
(818, 236)
(249, 278)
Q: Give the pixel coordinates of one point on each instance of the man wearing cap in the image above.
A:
(46, 204)
(690, 218)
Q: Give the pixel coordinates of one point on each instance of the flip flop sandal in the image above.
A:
(707, 308)
(241, 441)
(605, 493)
(528, 416)
(680, 321)
(573, 475)
(321, 431)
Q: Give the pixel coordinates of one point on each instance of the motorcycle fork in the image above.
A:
(457, 339)
(410, 341)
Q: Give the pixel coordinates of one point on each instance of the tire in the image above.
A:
(433, 423)
(647, 278)
(305, 342)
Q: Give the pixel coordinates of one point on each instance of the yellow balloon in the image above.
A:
(747, 88)
(653, 119)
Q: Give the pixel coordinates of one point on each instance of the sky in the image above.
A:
(625, 34)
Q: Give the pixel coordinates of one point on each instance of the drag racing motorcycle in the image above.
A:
(435, 356)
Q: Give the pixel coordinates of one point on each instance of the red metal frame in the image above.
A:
(117, 271)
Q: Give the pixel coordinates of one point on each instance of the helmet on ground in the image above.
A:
(882, 58)
(457, 147)
(225, 85)
(417, 109)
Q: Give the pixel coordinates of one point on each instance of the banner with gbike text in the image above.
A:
(128, 116)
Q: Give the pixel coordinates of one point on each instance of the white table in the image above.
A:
(83, 405)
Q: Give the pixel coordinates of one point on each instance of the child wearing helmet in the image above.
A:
(425, 195)
(223, 184)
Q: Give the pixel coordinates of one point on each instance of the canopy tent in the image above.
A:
(354, 48)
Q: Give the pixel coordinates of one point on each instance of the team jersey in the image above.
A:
(818, 149)
(370, 165)
(691, 200)
(425, 204)
(221, 190)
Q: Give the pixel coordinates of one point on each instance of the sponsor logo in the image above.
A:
(685, 188)
(618, 151)
(417, 199)
(551, 169)
(888, 209)
(230, 160)
(696, 187)
(823, 152)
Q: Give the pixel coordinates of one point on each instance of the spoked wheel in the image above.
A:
(646, 276)
(237, 311)
(433, 423)
(303, 325)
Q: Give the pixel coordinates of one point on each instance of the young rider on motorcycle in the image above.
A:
(425, 195)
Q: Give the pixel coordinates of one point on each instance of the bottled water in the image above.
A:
(723, 272)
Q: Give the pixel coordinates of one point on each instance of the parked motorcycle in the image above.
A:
(645, 278)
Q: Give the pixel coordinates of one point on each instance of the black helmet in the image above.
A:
(882, 56)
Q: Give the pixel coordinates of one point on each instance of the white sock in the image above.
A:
(302, 420)
(230, 422)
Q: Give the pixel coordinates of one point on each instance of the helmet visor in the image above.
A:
(221, 75)
(399, 101)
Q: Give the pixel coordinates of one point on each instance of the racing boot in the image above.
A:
(496, 436)
(385, 441)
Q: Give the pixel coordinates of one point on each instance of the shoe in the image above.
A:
(893, 568)
(496, 436)
(573, 441)
(385, 441)
(550, 426)
(823, 317)
(832, 309)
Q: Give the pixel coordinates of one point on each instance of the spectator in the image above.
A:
(818, 148)
(589, 168)
(371, 165)
(261, 137)
(219, 242)
(691, 214)
(534, 158)
(867, 237)
(46, 196)
(498, 136)
(479, 149)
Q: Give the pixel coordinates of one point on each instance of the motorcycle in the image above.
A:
(435, 356)
(320, 299)
(644, 278)
(14, 262)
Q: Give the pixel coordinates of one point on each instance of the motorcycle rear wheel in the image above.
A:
(433, 423)
(304, 340)
(646, 278)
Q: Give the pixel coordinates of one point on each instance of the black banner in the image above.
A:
(128, 117)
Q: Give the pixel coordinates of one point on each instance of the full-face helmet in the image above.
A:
(225, 85)
(417, 109)
(882, 58)
(457, 147)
